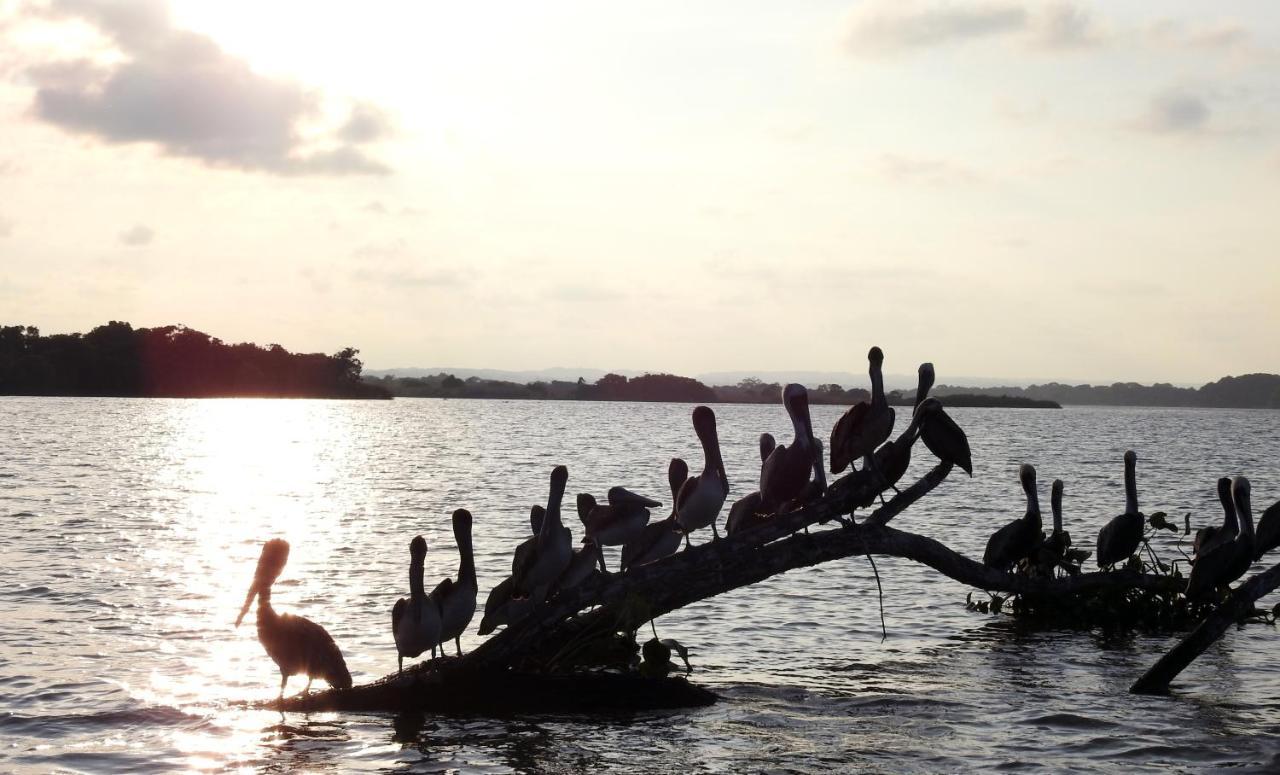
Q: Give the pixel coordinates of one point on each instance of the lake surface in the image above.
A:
(129, 531)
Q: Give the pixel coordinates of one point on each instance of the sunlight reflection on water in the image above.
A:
(134, 526)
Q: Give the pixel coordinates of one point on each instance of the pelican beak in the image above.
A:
(248, 601)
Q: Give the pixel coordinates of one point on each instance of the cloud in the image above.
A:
(906, 169)
(881, 27)
(1175, 112)
(884, 25)
(1221, 36)
(179, 90)
(406, 277)
(137, 236)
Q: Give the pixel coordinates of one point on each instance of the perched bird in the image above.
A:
(415, 620)
(1120, 538)
(745, 511)
(702, 496)
(295, 644)
(662, 538)
(457, 599)
(614, 523)
(1019, 539)
(533, 572)
(502, 608)
(1268, 535)
(1210, 536)
(942, 436)
(1224, 561)
(893, 458)
(1053, 552)
(582, 565)
(866, 425)
(536, 513)
(785, 471)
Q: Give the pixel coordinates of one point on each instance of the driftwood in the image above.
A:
(1237, 606)
(523, 667)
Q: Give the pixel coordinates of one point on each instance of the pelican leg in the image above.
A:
(307, 690)
(715, 534)
(686, 541)
(600, 551)
(457, 643)
(284, 678)
(400, 659)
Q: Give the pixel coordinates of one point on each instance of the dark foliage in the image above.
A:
(173, 361)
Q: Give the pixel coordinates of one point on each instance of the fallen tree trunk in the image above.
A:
(1237, 606)
(517, 668)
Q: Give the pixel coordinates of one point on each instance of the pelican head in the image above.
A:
(925, 382)
(767, 444)
(461, 521)
(1240, 494)
(275, 553)
(559, 477)
(704, 420)
(1130, 458)
(928, 405)
(875, 355)
(677, 472)
(1027, 475)
(586, 503)
(418, 549)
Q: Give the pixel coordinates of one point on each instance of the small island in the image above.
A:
(117, 360)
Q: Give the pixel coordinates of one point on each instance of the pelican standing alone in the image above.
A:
(785, 471)
(1120, 538)
(1018, 539)
(415, 620)
(295, 644)
(457, 599)
(1226, 560)
(702, 496)
(533, 573)
(662, 538)
(866, 425)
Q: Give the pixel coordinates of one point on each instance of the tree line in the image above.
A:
(117, 359)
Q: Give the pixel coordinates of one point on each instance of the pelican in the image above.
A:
(1018, 539)
(616, 523)
(1268, 535)
(1120, 538)
(582, 565)
(295, 644)
(1212, 535)
(1053, 551)
(894, 457)
(533, 572)
(701, 497)
(415, 620)
(536, 513)
(501, 608)
(457, 599)
(745, 511)
(1226, 560)
(942, 436)
(864, 426)
(785, 471)
(662, 538)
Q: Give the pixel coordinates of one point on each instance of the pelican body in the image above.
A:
(701, 497)
(1209, 537)
(944, 438)
(745, 511)
(615, 523)
(866, 425)
(662, 538)
(1020, 538)
(295, 644)
(1226, 560)
(1268, 535)
(535, 571)
(415, 620)
(457, 599)
(785, 472)
(1120, 538)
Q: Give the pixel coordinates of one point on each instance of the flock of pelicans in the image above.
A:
(546, 563)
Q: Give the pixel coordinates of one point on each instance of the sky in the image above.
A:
(1073, 190)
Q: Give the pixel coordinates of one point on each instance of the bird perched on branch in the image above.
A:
(662, 538)
(702, 496)
(785, 471)
(1017, 540)
(1224, 561)
(457, 599)
(866, 424)
(295, 644)
(1121, 537)
(415, 620)
(533, 573)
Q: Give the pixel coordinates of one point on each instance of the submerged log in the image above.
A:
(1237, 606)
(530, 665)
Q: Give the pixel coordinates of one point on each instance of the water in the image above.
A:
(131, 529)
